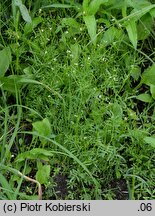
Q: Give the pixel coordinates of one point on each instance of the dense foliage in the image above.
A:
(77, 91)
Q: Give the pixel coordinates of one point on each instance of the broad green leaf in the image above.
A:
(110, 35)
(94, 6)
(90, 22)
(148, 77)
(43, 128)
(132, 32)
(70, 22)
(43, 174)
(9, 84)
(145, 98)
(132, 114)
(36, 153)
(152, 90)
(85, 4)
(28, 28)
(145, 26)
(75, 49)
(152, 12)
(23, 10)
(13, 82)
(5, 60)
(40, 151)
(135, 72)
(150, 140)
(117, 111)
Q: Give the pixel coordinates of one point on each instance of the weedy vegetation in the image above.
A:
(77, 99)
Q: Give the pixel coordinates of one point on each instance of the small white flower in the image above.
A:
(40, 10)
(68, 51)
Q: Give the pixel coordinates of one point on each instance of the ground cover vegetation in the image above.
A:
(77, 91)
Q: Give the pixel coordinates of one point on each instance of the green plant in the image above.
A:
(134, 14)
(77, 100)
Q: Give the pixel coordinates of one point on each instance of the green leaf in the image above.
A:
(152, 90)
(145, 26)
(148, 77)
(9, 83)
(40, 151)
(75, 49)
(90, 22)
(36, 153)
(5, 60)
(12, 82)
(132, 32)
(43, 174)
(43, 127)
(6, 187)
(136, 15)
(23, 10)
(70, 22)
(28, 28)
(132, 114)
(145, 98)
(58, 6)
(94, 6)
(116, 110)
(150, 140)
(110, 35)
(135, 72)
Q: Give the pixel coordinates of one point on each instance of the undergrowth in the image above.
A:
(77, 107)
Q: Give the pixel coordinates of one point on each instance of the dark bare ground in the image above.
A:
(120, 189)
(61, 186)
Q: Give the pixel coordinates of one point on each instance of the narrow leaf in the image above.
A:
(132, 32)
(58, 6)
(5, 185)
(136, 15)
